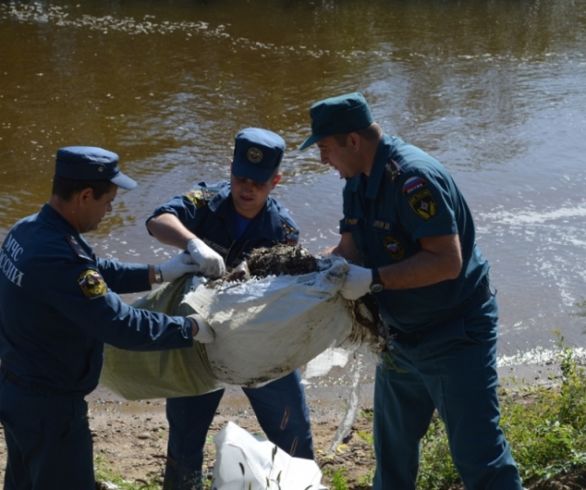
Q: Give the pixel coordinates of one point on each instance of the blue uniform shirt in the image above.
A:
(209, 213)
(59, 305)
(408, 196)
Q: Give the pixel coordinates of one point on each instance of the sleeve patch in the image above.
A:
(419, 197)
(423, 204)
(197, 197)
(92, 284)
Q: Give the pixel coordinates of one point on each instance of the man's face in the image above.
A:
(249, 197)
(94, 210)
(341, 157)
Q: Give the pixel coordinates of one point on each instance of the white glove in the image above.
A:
(210, 262)
(177, 266)
(357, 283)
(205, 334)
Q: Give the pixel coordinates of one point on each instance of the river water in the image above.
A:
(493, 88)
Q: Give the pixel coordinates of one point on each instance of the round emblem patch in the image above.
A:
(92, 284)
(254, 154)
(394, 248)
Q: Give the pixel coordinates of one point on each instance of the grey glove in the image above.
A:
(210, 262)
(205, 334)
(177, 266)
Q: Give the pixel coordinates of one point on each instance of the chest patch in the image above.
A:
(394, 247)
(419, 197)
(92, 284)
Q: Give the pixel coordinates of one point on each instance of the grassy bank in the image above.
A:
(545, 425)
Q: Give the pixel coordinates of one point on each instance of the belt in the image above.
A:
(32, 386)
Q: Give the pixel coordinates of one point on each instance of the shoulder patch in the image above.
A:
(419, 197)
(197, 197)
(92, 284)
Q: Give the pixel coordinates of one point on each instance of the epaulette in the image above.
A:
(77, 248)
(392, 169)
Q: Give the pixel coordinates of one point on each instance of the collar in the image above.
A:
(50, 215)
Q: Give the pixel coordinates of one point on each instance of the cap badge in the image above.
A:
(100, 168)
(254, 154)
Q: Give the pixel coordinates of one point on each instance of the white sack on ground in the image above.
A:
(266, 327)
(242, 461)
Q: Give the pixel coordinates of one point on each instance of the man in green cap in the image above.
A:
(409, 235)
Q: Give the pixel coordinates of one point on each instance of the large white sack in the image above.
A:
(242, 461)
(267, 327)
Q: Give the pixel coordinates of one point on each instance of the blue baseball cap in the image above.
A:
(257, 154)
(91, 163)
(338, 115)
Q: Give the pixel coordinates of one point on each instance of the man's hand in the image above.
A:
(205, 334)
(177, 266)
(357, 284)
(210, 262)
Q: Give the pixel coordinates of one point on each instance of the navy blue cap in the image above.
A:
(257, 154)
(338, 115)
(91, 163)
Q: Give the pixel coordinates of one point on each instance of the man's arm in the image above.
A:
(346, 248)
(439, 259)
(168, 229)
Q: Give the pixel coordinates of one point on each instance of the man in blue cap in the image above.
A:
(408, 226)
(219, 225)
(59, 305)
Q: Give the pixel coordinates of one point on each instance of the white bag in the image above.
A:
(267, 327)
(242, 461)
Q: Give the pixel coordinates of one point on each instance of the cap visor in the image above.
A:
(260, 175)
(124, 181)
(310, 141)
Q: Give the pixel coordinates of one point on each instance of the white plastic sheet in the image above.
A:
(242, 461)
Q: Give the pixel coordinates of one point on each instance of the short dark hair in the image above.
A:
(65, 188)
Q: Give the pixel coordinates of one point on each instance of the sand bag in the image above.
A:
(242, 461)
(265, 328)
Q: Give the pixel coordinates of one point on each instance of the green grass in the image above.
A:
(545, 426)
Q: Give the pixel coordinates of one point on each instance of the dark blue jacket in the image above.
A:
(59, 305)
(209, 213)
(408, 196)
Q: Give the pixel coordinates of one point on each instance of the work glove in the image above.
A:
(210, 262)
(177, 266)
(205, 334)
(357, 283)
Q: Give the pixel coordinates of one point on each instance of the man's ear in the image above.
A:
(86, 194)
(354, 140)
(275, 180)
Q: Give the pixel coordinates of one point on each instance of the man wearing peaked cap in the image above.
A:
(59, 304)
(219, 225)
(91, 163)
(410, 237)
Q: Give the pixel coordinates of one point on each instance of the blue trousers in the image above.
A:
(48, 440)
(279, 407)
(452, 369)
